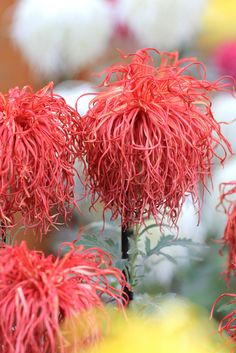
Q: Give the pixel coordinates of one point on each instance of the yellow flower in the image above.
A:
(218, 23)
(178, 328)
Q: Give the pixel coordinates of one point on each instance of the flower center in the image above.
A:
(23, 121)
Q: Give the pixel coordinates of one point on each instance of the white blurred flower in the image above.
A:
(224, 110)
(164, 24)
(59, 37)
(72, 90)
(188, 223)
(158, 269)
(214, 220)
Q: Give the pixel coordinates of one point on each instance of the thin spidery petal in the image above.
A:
(228, 322)
(38, 149)
(228, 203)
(149, 136)
(38, 293)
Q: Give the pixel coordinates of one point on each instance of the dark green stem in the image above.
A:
(126, 234)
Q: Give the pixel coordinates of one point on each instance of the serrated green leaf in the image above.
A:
(108, 245)
(170, 240)
(147, 245)
(169, 257)
(133, 251)
(226, 307)
(164, 241)
(185, 242)
(110, 242)
(154, 225)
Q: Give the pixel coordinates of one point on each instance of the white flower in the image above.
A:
(213, 218)
(158, 269)
(59, 37)
(224, 109)
(164, 24)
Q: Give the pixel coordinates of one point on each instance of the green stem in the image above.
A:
(126, 234)
(133, 256)
(130, 238)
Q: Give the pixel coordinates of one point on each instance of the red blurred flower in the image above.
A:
(37, 293)
(228, 323)
(228, 190)
(37, 154)
(150, 135)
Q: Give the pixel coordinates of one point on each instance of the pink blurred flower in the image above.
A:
(38, 148)
(38, 293)
(150, 136)
(225, 58)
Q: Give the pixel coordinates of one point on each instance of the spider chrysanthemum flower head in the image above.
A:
(38, 150)
(227, 200)
(38, 293)
(149, 136)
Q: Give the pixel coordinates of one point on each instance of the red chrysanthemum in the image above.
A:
(228, 190)
(228, 323)
(38, 149)
(38, 293)
(149, 136)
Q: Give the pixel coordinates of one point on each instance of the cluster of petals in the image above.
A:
(37, 293)
(228, 191)
(38, 149)
(150, 135)
(228, 322)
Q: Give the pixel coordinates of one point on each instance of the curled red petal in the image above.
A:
(38, 149)
(150, 136)
(228, 203)
(37, 293)
(228, 323)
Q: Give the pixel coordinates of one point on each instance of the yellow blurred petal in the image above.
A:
(219, 23)
(178, 328)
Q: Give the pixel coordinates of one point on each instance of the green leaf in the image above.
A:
(122, 265)
(147, 245)
(110, 242)
(223, 308)
(170, 240)
(154, 225)
(170, 258)
(93, 240)
(133, 249)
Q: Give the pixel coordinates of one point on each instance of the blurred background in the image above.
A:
(68, 42)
